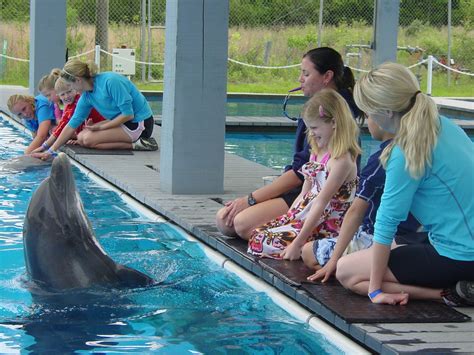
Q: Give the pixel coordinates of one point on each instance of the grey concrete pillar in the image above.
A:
(387, 13)
(47, 38)
(194, 99)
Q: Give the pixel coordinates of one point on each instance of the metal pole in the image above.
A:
(149, 39)
(142, 35)
(429, 80)
(321, 6)
(449, 41)
(3, 62)
(97, 56)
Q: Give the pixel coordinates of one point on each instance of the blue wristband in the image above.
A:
(374, 294)
(52, 152)
(45, 146)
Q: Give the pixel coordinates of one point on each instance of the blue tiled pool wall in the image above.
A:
(198, 308)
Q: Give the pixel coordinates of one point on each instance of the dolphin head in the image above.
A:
(61, 176)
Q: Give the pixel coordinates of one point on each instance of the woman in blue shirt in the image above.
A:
(430, 173)
(128, 117)
(37, 114)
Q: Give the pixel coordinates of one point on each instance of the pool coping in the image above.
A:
(182, 211)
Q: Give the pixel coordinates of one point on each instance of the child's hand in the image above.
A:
(42, 156)
(38, 150)
(325, 272)
(293, 252)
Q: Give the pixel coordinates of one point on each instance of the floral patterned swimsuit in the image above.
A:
(275, 236)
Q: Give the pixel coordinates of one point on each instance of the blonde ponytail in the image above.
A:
(393, 87)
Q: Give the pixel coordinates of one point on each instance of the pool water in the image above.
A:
(198, 308)
(275, 150)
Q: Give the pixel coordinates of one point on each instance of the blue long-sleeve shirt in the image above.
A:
(442, 200)
(112, 95)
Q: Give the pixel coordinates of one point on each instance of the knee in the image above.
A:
(308, 256)
(242, 228)
(344, 274)
(85, 140)
(221, 224)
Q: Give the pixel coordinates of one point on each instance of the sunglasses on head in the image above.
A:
(285, 102)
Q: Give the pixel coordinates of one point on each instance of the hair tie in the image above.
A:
(413, 99)
(321, 111)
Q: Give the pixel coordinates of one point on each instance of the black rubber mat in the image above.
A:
(240, 246)
(77, 149)
(358, 309)
(292, 272)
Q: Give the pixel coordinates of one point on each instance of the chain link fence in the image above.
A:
(263, 34)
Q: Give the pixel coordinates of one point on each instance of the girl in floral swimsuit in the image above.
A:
(330, 182)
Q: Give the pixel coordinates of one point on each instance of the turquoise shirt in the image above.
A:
(442, 199)
(112, 95)
(44, 109)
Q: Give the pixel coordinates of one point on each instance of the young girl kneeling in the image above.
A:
(329, 186)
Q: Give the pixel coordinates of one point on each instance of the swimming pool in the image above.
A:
(198, 308)
(275, 150)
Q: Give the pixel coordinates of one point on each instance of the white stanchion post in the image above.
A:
(97, 57)
(429, 81)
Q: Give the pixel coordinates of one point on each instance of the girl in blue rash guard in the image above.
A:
(430, 173)
(37, 114)
(128, 117)
(320, 68)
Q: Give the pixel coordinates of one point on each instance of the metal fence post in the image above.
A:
(3, 61)
(449, 41)
(320, 26)
(97, 56)
(429, 80)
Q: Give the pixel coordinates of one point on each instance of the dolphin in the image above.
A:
(23, 162)
(61, 251)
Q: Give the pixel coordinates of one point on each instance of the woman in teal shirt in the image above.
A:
(128, 117)
(430, 173)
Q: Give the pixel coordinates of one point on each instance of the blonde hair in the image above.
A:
(62, 85)
(393, 87)
(47, 82)
(14, 99)
(333, 108)
(75, 68)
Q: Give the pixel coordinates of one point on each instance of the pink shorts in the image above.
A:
(135, 133)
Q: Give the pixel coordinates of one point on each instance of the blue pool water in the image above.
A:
(198, 308)
(275, 150)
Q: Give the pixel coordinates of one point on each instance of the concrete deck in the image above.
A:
(138, 175)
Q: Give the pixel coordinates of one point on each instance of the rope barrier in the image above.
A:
(242, 63)
(359, 70)
(80, 55)
(13, 58)
(452, 69)
(262, 66)
(129, 60)
(419, 63)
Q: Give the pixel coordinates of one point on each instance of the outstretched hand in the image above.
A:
(325, 272)
(41, 155)
(292, 252)
(391, 298)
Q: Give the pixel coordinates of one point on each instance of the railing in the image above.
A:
(429, 82)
